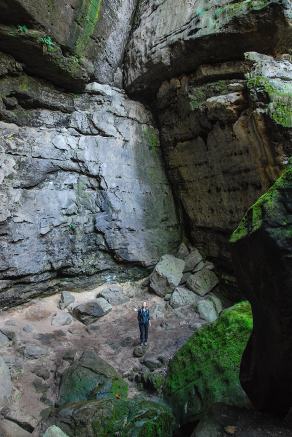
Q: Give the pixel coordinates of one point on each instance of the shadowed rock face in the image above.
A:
(169, 40)
(262, 247)
(225, 135)
(83, 189)
(67, 42)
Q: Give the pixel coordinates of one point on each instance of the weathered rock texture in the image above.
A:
(225, 134)
(171, 39)
(83, 187)
(262, 253)
(67, 42)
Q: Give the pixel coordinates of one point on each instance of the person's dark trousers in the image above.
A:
(143, 332)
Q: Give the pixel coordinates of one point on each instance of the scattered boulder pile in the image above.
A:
(93, 402)
(187, 279)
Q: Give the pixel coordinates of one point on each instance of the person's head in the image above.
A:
(144, 305)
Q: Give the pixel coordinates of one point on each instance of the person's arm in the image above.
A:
(149, 318)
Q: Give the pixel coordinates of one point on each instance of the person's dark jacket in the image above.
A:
(143, 316)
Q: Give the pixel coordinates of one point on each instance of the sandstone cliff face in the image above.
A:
(83, 187)
(222, 148)
(224, 113)
(170, 39)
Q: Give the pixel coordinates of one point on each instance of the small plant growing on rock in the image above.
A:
(72, 228)
(22, 28)
(48, 43)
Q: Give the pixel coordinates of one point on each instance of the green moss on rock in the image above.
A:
(151, 137)
(265, 206)
(279, 96)
(91, 378)
(206, 369)
(110, 417)
(88, 18)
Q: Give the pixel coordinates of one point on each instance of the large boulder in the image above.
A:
(89, 312)
(110, 417)
(165, 44)
(114, 294)
(82, 190)
(5, 383)
(90, 377)
(183, 296)
(206, 369)
(262, 255)
(167, 274)
(202, 282)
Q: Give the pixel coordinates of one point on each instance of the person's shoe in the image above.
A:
(141, 344)
(145, 344)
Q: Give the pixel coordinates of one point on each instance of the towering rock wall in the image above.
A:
(84, 195)
(224, 113)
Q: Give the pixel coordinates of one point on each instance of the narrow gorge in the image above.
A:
(145, 156)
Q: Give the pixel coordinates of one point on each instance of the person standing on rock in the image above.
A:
(144, 322)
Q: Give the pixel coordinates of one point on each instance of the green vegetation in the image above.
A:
(151, 137)
(48, 43)
(22, 28)
(206, 369)
(232, 9)
(279, 95)
(201, 93)
(88, 18)
(266, 205)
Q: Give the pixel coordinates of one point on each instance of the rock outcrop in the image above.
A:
(168, 40)
(262, 253)
(83, 189)
(225, 135)
(67, 42)
(206, 369)
(133, 417)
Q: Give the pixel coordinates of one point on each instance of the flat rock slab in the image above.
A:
(61, 319)
(167, 275)
(202, 282)
(33, 352)
(54, 431)
(91, 311)
(5, 383)
(114, 295)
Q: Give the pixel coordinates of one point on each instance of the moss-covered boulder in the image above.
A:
(262, 257)
(111, 417)
(206, 369)
(91, 378)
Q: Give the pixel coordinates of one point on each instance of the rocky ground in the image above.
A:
(39, 340)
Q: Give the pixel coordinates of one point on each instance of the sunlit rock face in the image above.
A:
(169, 40)
(83, 188)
